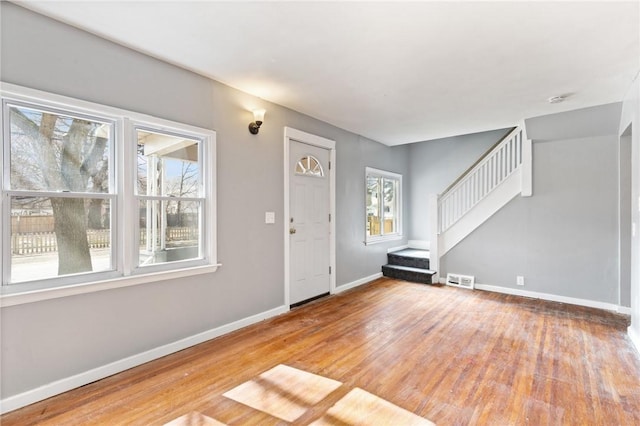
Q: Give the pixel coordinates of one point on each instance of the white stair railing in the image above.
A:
(496, 178)
(479, 181)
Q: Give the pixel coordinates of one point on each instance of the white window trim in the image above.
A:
(206, 237)
(124, 276)
(376, 239)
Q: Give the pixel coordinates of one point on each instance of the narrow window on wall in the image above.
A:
(383, 206)
(170, 197)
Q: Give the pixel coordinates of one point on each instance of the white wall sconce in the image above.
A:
(258, 118)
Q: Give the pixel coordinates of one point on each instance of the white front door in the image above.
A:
(309, 221)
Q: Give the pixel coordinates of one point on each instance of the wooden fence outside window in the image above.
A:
(45, 242)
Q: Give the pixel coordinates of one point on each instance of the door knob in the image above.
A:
(292, 230)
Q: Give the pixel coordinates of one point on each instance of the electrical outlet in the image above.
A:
(519, 280)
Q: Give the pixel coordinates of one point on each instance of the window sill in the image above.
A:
(384, 239)
(13, 295)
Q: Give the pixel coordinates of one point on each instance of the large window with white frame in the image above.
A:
(92, 193)
(383, 205)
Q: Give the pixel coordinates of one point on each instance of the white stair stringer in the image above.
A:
(482, 211)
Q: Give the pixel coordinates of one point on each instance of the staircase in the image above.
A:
(409, 265)
(496, 178)
(501, 174)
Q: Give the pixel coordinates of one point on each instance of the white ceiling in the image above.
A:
(396, 72)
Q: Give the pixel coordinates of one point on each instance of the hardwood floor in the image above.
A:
(452, 356)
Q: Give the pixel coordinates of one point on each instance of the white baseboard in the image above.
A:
(550, 297)
(357, 283)
(634, 336)
(419, 244)
(392, 249)
(38, 394)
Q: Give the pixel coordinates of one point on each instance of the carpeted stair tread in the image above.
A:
(410, 269)
(415, 253)
(409, 257)
(408, 273)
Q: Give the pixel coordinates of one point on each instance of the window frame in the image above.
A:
(203, 183)
(124, 213)
(8, 192)
(382, 237)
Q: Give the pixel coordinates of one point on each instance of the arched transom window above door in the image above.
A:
(309, 166)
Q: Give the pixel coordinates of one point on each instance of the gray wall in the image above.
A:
(434, 165)
(352, 160)
(564, 239)
(630, 128)
(51, 340)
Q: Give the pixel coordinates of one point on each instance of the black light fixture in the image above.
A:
(258, 118)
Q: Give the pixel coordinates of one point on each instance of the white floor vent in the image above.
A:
(463, 281)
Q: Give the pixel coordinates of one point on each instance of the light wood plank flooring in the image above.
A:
(452, 356)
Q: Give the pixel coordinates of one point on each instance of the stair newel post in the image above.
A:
(434, 226)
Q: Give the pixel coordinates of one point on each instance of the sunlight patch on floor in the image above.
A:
(194, 419)
(288, 393)
(283, 392)
(360, 407)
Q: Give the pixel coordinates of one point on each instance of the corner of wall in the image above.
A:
(630, 116)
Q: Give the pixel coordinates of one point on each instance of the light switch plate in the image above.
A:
(269, 217)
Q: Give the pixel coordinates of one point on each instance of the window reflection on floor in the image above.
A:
(288, 393)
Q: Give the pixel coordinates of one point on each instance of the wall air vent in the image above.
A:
(463, 281)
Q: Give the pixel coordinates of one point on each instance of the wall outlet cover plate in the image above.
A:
(270, 217)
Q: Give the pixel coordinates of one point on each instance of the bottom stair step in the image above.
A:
(408, 273)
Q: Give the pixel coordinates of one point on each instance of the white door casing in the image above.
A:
(309, 213)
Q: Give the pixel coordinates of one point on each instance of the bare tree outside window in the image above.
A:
(63, 161)
(94, 193)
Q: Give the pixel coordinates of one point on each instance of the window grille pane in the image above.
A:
(390, 215)
(56, 236)
(169, 231)
(168, 165)
(55, 152)
(309, 166)
(373, 206)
